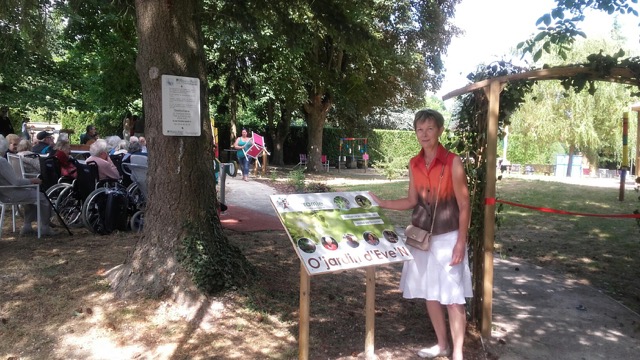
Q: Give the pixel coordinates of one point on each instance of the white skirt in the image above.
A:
(429, 275)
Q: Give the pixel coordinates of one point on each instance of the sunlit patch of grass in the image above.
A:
(592, 249)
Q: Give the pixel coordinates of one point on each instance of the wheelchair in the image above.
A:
(72, 198)
(119, 207)
(107, 209)
(137, 192)
(52, 180)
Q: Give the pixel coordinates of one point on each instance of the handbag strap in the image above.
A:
(433, 218)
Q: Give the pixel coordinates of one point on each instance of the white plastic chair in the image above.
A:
(5, 203)
(17, 163)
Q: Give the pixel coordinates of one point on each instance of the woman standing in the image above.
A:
(243, 142)
(440, 275)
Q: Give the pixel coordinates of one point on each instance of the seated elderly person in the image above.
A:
(13, 141)
(143, 143)
(8, 177)
(67, 166)
(121, 148)
(44, 146)
(31, 163)
(135, 148)
(99, 151)
(112, 143)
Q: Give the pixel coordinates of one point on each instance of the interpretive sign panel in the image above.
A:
(180, 106)
(338, 231)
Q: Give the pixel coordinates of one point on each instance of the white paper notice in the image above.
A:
(180, 106)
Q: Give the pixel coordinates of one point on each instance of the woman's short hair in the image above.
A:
(4, 145)
(113, 141)
(122, 145)
(98, 147)
(135, 147)
(428, 114)
(23, 145)
(12, 138)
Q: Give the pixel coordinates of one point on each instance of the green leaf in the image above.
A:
(537, 55)
(557, 13)
(540, 36)
(546, 19)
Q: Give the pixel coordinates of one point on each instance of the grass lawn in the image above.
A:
(598, 251)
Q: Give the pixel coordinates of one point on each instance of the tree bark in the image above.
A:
(181, 206)
(315, 111)
(280, 131)
(233, 111)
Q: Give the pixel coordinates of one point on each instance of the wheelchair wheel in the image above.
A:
(136, 197)
(91, 215)
(54, 192)
(69, 206)
(137, 221)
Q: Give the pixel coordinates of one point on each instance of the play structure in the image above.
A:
(355, 153)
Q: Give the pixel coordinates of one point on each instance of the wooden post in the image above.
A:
(303, 326)
(625, 154)
(370, 310)
(638, 144)
(636, 107)
(493, 90)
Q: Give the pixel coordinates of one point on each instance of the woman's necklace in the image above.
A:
(428, 162)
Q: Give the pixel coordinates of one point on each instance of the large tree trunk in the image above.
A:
(279, 131)
(182, 226)
(233, 111)
(315, 111)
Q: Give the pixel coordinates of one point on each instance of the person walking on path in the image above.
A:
(439, 197)
(24, 131)
(243, 142)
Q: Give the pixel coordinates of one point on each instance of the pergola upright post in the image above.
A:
(625, 154)
(636, 108)
(494, 89)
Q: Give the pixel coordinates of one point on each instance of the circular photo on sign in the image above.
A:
(390, 236)
(307, 245)
(363, 202)
(351, 240)
(371, 238)
(341, 202)
(329, 243)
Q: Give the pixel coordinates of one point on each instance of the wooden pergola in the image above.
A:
(492, 89)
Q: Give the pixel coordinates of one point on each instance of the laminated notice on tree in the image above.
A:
(338, 231)
(180, 106)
